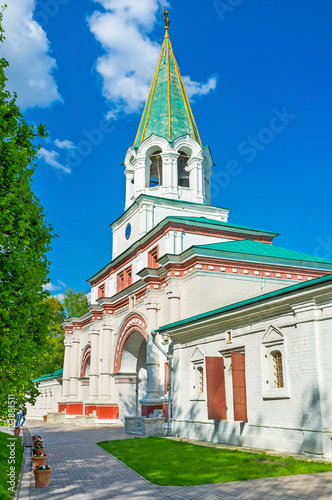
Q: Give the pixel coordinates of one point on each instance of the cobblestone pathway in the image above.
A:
(83, 471)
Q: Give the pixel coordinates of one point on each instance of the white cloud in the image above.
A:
(131, 55)
(51, 158)
(196, 88)
(31, 68)
(65, 144)
(51, 288)
(59, 296)
(55, 288)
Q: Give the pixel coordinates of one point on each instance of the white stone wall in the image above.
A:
(47, 401)
(149, 213)
(299, 419)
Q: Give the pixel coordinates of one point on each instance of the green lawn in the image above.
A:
(15, 457)
(173, 463)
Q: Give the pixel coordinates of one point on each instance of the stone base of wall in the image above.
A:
(152, 426)
(315, 444)
(90, 420)
(56, 418)
(86, 420)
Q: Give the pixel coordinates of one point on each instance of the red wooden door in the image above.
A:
(239, 386)
(215, 385)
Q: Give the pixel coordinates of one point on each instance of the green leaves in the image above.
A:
(25, 239)
(75, 303)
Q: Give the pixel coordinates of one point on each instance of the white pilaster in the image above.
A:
(152, 356)
(105, 369)
(129, 187)
(174, 303)
(178, 242)
(66, 367)
(74, 371)
(94, 367)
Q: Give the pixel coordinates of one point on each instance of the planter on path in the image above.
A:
(42, 476)
(38, 460)
(38, 450)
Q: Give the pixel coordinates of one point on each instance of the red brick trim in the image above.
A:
(165, 411)
(71, 408)
(88, 409)
(133, 323)
(148, 409)
(86, 356)
(107, 412)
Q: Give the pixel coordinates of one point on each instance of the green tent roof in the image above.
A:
(167, 111)
(56, 374)
(250, 247)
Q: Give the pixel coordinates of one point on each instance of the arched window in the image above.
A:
(199, 379)
(183, 175)
(156, 169)
(278, 371)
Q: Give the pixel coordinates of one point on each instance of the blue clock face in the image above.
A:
(128, 231)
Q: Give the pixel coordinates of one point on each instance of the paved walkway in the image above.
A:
(83, 471)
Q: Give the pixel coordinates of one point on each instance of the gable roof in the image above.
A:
(251, 247)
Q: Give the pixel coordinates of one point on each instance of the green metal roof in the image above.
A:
(251, 247)
(167, 111)
(253, 300)
(56, 374)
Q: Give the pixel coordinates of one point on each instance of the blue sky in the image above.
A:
(259, 75)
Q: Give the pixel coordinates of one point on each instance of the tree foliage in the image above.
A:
(25, 238)
(75, 303)
(52, 356)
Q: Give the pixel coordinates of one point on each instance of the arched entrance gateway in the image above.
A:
(129, 365)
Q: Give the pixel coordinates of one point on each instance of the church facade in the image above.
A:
(176, 260)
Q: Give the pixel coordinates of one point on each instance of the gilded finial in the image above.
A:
(166, 18)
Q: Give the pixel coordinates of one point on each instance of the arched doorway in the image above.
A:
(84, 373)
(129, 365)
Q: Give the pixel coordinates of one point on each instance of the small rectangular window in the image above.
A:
(101, 291)
(153, 256)
(124, 278)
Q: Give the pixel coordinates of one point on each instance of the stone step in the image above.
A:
(156, 414)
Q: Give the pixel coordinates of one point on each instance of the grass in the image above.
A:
(173, 463)
(5, 458)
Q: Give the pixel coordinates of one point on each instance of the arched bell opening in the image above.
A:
(156, 169)
(183, 174)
